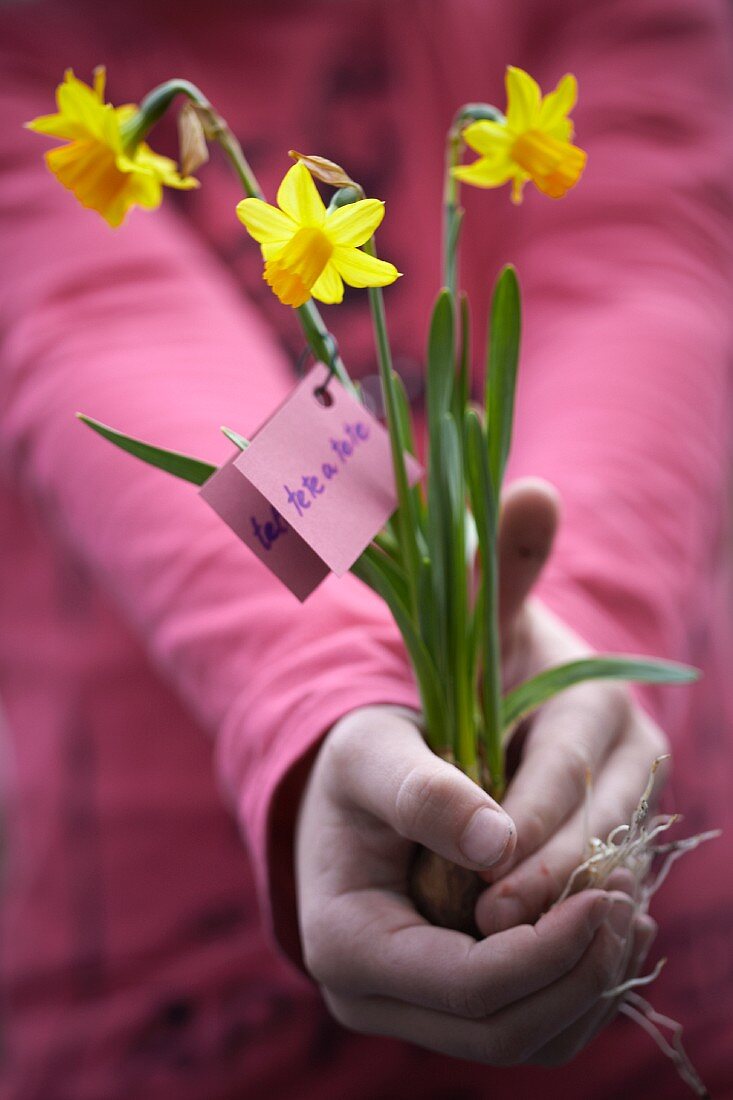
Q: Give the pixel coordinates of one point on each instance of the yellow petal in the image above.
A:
(523, 99)
(59, 126)
(79, 112)
(265, 223)
(272, 249)
(143, 190)
(163, 168)
(89, 171)
(563, 130)
(354, 224)
(486, 137)
(558, 104)
(297, 196)
(329, 287)
(79, 103)
(359, 269)
(125, 112)
(485, 172)
(520, 179)
(128, 164)
(100, 79)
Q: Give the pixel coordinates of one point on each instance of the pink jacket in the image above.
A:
(135, 959)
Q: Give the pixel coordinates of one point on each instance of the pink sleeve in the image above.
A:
(624, 399)
(142, 329)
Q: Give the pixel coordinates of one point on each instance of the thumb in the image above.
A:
(384, 767)
(530, 510)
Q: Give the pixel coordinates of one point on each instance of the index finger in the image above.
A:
(570, 737)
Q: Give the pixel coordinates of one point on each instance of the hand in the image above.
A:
(529, 993)
(592, 728)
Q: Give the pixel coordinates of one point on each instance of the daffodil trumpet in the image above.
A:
(97, 162)
(533, 141)
(310, 251)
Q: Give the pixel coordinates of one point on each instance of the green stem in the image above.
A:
(157, 102)
(452, 211)
(406, 519)
(323, 345)
(151, 110)
(492, 677)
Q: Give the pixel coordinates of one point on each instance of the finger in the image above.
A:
(507, 1037)
(533, 885)
(530, 511)
(623, 881)
(569, 738)
(367, 943)
(564, 1047)
(378, 762)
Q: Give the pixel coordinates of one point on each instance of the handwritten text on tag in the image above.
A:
(326, 469)
(263, 529)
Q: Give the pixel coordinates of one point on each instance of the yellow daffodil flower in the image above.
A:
(310, 251)
(533, 142)
(95, 165)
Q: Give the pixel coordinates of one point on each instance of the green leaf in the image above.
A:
(237, 439)
(386, 540)
(441, 360)
(462, 390)
(532, 693)
(481, 490)
(456, 581)
(391, 570)
(486, 632)
(429, 625)
(403, 414)
(180, 465)
(369, 569)
(501, 378)
(416, 515)
(440, 377)
(437, 522)
(451, 470)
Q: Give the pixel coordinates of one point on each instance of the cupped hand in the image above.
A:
(533, 989)
(532, 992)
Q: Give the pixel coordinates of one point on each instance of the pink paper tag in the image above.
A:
(327, 469)
(263, 529)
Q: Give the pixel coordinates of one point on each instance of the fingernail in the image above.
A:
(486, 837)
(619, 918)
(599, 912)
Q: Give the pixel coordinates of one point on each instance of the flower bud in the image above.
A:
(193, 150)
(327, 171)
